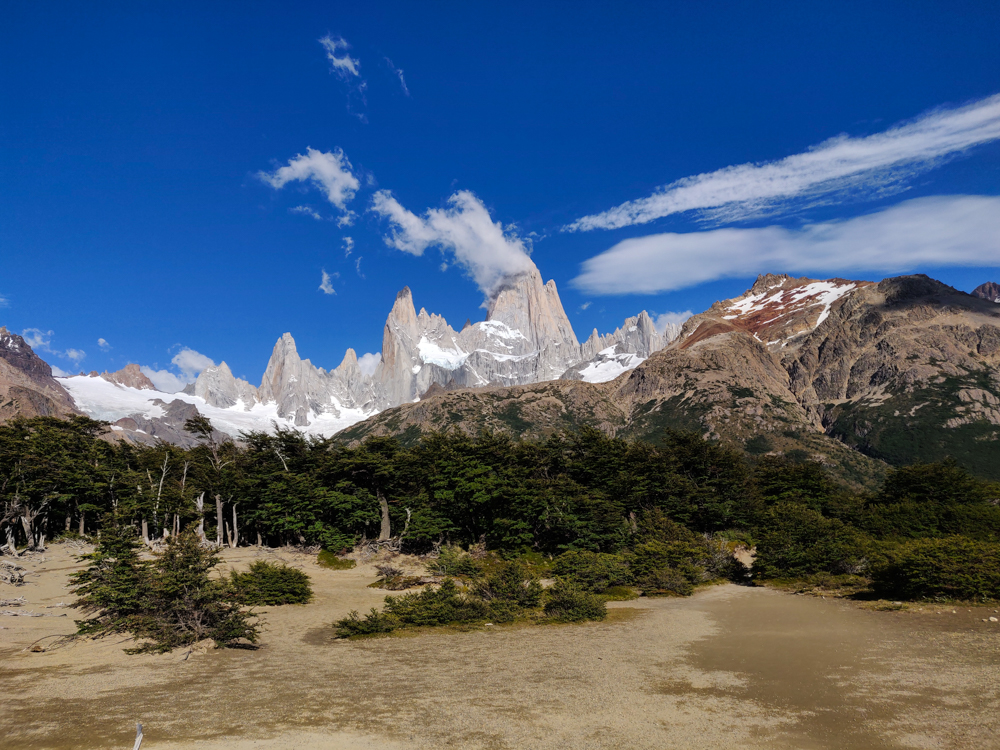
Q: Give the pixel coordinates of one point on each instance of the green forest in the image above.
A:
(599, 513)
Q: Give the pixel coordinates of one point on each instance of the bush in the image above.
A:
(455, 563)
(270, 584)
(374, 623)
(328, 559)
(595, 572)
(566, 602)
(795, 541)
(436, 606)
(950, 568)
(508, 591)
(666, 582)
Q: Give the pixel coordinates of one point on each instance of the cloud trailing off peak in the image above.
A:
(328, 171)
(869, 163)
(962, 230)
(188, 364)
(484, 248)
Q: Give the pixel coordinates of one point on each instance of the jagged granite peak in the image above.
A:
(219, 387)
(27, 387)
(295, 384)
(988, 291)
(606, 357)
(130, 376)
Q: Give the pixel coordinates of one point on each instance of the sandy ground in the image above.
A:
(731, 667)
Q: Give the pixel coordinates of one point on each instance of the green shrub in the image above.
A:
(666, 582)
(436, 606)
(374, 623)
(270, 584)
(330, 560)
(566, 602)
(795, 541)
(508, 590)
(595, 572)
(950, 568)
(453, 562)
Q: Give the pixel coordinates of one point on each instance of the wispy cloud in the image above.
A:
(306, 211)
(399, 73)
(867, 164)
(357, 266)
(368, 362)
(961, 230)
(486, 249)
(4, 302)
(585, 305)
(103, 345)
(341, 63)
(41, 341)
(347, 220)
(325, 285)
(348, 246)
(328, 171)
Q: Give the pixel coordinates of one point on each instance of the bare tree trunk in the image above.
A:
(260, 542)
(11, 544)
(82, 526)
(386, 532)
(199, 505)
(177, 524)
(29, 533)
(69, 520)
(218, 520)
(145, 532)
(166, 526)
(229, 535)
(236, 532)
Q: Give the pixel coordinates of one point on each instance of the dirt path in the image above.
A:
(729, 667)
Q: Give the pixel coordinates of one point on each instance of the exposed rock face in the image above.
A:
(988, 291)
(526, 338)
(606, 357)
(168, 427)
(27, 387)
(904, 370)
(130, 376)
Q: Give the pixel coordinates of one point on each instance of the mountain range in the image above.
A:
(852, 373)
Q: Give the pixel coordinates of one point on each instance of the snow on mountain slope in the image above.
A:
(103, 400)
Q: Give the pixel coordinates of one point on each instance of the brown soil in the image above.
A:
(730, 667)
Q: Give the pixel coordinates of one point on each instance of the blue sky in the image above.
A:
(648, 156)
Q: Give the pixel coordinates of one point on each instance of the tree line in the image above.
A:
(583, 492)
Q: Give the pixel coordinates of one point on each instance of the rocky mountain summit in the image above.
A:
(903, 370)
(130, 376)
(988, 291)
(526, 338)
(27, 387)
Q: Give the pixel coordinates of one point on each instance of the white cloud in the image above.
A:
(189, 364)
(4, 302)
(344, 65)
(962, 230)
(306, 211)
(103, 345)
(41, 341)
(325, 286)
(59, 372)
(484, 248)
(329, 171)
(348, 246)
(399, 73)
(368, 362)
(662, 320)
(840, 164)
(37, 338)
(357, 266)
(164, 380)
(585, 305)
(347, 220)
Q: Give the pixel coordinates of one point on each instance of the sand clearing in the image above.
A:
(730, 667)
